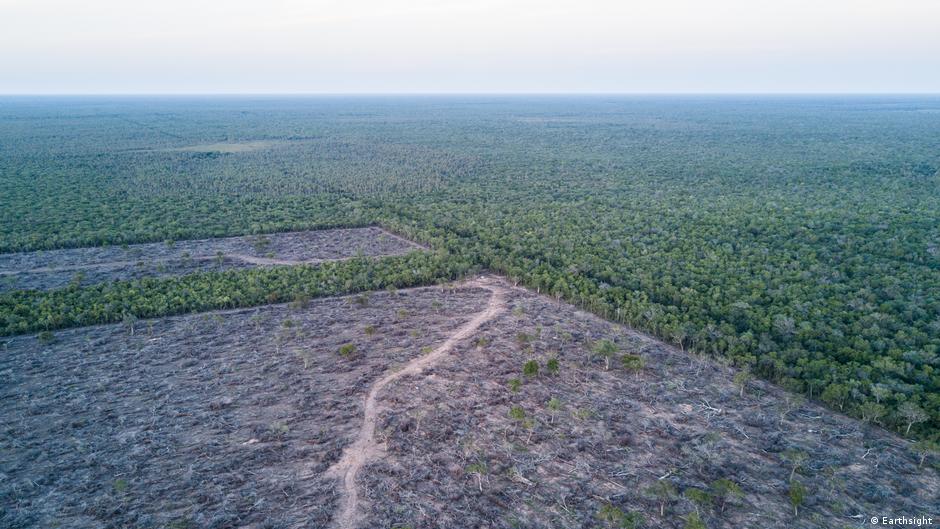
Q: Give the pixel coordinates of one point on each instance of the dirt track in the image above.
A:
(365, 446)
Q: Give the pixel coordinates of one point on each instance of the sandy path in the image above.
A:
(365, 447)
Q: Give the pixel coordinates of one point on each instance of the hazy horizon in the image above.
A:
(456, 47)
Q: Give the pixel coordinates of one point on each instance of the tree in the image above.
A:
(632, 362)
(871, 411)
(835, 395)
(479, 470)
(912, 414)
(700, 498)
(924, 449)
(725, 491)
(664, 492)
(606, 349)
(797, 495)
(554, 405)
(742, 378)
(796, 458)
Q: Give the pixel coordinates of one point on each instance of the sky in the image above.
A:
(462, 46)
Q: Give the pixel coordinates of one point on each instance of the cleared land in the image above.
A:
(227, 419)
(237, 418)
(60, 268)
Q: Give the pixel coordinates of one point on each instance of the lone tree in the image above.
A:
(797, 496)
(554, 405)
(913, 414)
(607, 349)
(632, 362)
(742, 378)
(664, 492)
(724, 491)
(923, 449)
(796, 458)
(478, 470)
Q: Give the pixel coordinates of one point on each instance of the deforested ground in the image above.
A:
(51, 269)
(216, 420)
(524, 415)
(475, 442)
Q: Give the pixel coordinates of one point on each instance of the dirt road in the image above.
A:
(365, 447)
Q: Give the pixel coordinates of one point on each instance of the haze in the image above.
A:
(447, 46)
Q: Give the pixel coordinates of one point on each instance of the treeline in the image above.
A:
(35, 311)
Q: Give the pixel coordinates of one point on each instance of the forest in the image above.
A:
(795, 237)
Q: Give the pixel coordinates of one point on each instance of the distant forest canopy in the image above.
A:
(797, 237)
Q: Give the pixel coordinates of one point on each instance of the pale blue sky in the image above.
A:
(415, 46)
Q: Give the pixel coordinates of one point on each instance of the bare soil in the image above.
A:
(59, 268)
(241, 419)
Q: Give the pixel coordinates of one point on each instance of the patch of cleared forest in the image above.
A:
(510, 409)
(75, 267)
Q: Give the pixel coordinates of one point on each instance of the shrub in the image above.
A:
(553, 366)
(530, 368)
(725, 491)
(347, 350)
(632, 362)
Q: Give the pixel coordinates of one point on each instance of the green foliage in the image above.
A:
(514, 385)
(694, 521)
(742, 378)
(553, 366)
(725, 491)
(517, 413)
(797, 494)
(664, 491)
(476, 468)
(632, 362)
(32, 311)
(530, 368)
(615, 518)
(702, 499)
(347, 350)
(925, 449)
(606, 349)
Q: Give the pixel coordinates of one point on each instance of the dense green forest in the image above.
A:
(797, 237)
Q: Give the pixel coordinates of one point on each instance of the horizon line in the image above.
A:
(452, 93)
